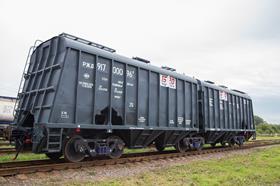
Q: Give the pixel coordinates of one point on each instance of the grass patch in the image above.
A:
(259, 168)
(148, 149)
(22, 157)
(130, 151)
(6, 146)
(268, 137)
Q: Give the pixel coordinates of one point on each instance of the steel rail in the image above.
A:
(26, 167)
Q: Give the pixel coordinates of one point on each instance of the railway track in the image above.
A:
(25, 167)
(11, 150)
(7, 150)
(5, 143)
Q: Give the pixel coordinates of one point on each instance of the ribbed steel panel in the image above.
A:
(70, 83)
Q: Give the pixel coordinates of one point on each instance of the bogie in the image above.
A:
(189, 143)
(77, 148)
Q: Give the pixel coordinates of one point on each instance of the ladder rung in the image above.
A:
(54, 143)
(43, 106)
(54, 135)
(54, 150)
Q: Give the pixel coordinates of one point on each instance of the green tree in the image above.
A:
(258, 120)
(265, 128)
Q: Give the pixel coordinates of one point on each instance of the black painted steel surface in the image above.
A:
(72, 83)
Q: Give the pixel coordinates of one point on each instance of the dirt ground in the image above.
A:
(113, 171)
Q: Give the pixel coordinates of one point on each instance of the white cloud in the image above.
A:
(235, 43)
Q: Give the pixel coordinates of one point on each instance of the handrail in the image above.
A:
(81, 40)
(26, 66)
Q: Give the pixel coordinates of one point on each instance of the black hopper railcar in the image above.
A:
(80, 99)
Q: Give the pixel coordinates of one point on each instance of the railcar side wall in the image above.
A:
(97, 90)
(77, 84)
(226, 111)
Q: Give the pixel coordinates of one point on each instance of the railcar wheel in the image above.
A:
(54, 156)
(159, 147)
(240, 142)
(223, 144)
(73, 150)
(231, 143)
(116, 145)
(181, 147)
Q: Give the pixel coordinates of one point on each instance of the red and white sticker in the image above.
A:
(167, 81)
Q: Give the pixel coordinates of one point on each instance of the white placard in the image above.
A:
(168, 81)
(223, 95)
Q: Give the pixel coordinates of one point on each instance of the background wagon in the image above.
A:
(6, 114)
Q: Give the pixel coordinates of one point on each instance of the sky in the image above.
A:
(234, 43)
